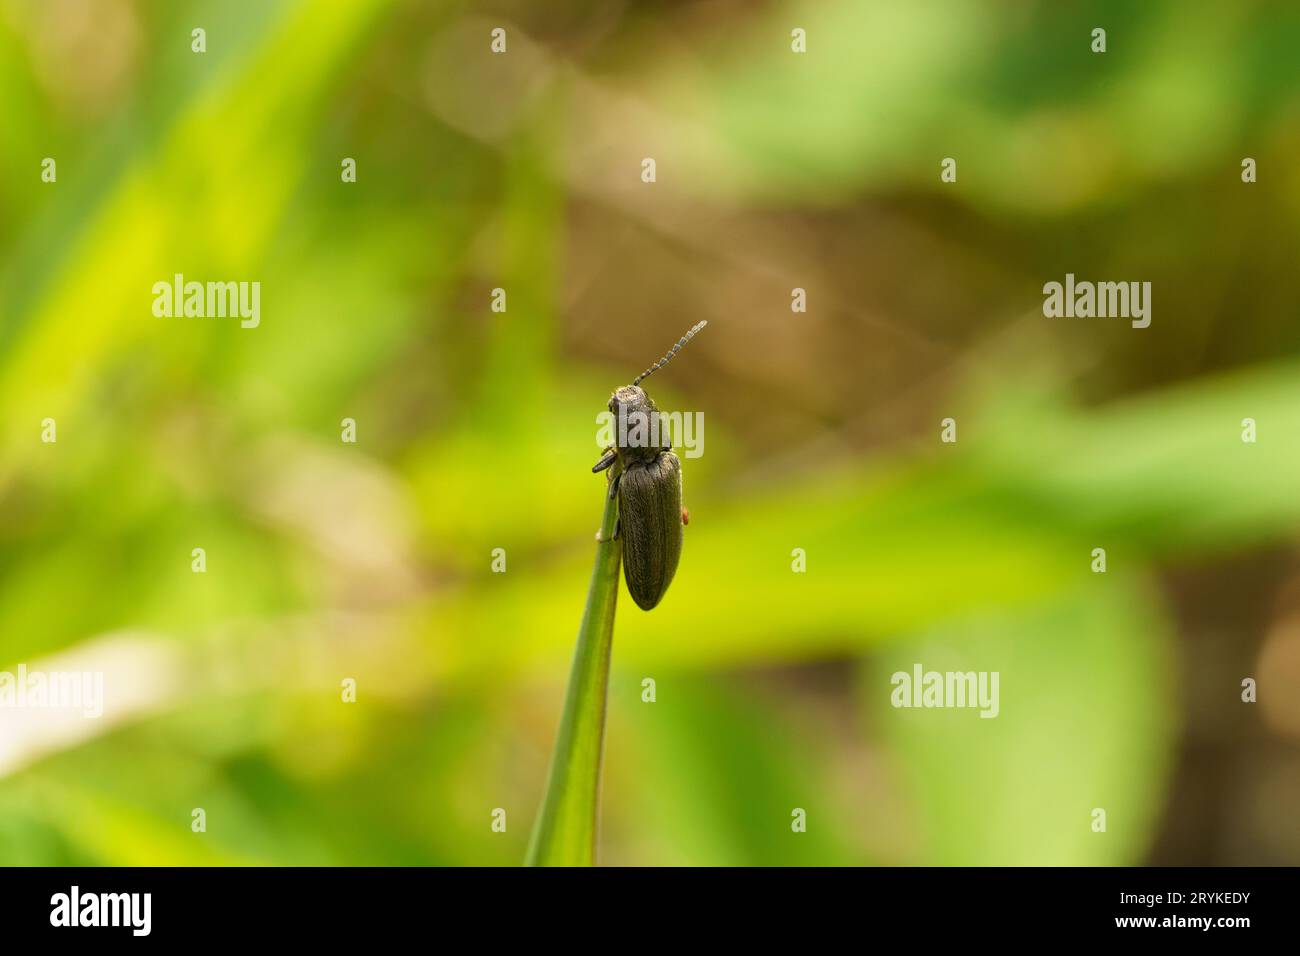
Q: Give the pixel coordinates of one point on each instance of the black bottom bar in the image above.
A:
(376, 905)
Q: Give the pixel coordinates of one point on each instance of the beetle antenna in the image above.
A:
(671, 352)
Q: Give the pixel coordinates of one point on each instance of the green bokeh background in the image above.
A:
(476, 430)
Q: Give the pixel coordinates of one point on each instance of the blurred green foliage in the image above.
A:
(372, 561)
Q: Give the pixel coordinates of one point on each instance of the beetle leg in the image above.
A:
(609, 458)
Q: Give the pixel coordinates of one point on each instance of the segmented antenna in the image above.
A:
(673, 351)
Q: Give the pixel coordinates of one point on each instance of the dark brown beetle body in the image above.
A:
(648, 482)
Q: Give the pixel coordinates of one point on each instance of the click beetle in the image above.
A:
(647, 478)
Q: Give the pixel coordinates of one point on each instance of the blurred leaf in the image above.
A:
(1085, 721)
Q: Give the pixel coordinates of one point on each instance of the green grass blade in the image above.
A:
(565, 831)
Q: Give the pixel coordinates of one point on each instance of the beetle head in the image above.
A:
(629, 399)
(636, 418)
